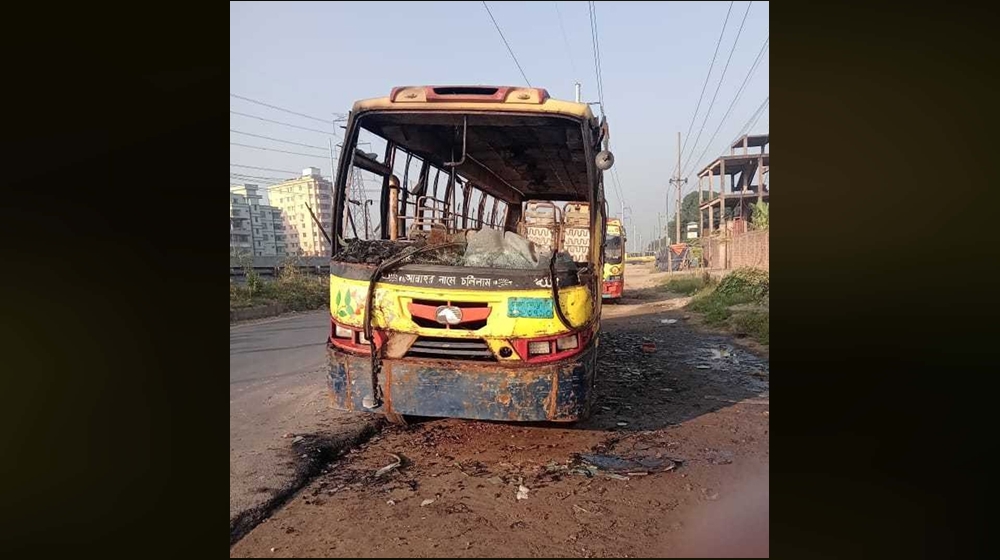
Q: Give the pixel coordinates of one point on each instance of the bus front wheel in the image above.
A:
(397, 419)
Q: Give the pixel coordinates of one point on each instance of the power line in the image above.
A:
(618, 185)
(262, 178)
(752, 120)
(275, 107)
(718, 87)
(754, 123)
(282, 123)
(687, 136)
(264, 168)
(569, 51)
(504, 39)
(279, 140)
(596, 44)
(739, 93)
(276, 150)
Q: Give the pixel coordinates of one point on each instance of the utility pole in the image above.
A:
(659, 230)
(677, 182)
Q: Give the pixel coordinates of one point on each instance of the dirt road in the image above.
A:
(673, 462)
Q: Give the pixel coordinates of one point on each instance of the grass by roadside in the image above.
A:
(296, 292)
(739, 301)
(687, 284)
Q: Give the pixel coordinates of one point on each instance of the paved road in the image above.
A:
(262, 352)
(276, 387)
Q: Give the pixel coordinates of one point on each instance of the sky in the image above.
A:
(317, 58)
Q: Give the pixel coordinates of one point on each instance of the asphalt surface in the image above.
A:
(277, 393)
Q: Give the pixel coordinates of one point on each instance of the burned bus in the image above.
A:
(466, 273)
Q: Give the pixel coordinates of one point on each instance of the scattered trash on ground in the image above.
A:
(298, 439)
(427, 502)
(668, 321)
(522, 492)
(649, 347)
(391, 502)
(622, 424)
(720, 353)
(390, 467)
(720, 457)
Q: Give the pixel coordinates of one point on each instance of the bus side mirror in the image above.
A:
(605, 160)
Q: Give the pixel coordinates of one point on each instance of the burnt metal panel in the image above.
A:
(451, 389)
(475, 393)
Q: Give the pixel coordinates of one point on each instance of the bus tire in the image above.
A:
(397, 419)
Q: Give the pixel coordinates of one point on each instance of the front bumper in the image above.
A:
(556, 392)
(612, 290)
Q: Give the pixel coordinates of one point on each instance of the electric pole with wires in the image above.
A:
(677, 182)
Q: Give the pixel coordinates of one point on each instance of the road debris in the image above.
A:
(668, 321)
(649, 347)
(621, 424)
(390, 467)
(390, 502)
(427, 502)
(721, 458)
(298, 439)
(522, 492)
(626, 465)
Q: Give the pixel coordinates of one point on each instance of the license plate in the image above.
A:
(530, 308)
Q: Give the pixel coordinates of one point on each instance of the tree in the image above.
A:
(760, 216)
(689, 213)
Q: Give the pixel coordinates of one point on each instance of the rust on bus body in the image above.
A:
(465, 389)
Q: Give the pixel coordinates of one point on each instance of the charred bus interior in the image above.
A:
(474, 190)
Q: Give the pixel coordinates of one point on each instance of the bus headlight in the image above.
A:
(539, 347)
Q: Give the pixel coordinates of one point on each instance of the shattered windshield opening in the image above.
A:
(613, 249)
(401, 193)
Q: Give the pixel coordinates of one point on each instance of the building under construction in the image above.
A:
(726, 205)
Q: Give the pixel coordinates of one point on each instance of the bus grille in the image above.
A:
(476, 313)
(450, 349)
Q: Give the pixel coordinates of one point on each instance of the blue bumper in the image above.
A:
(557, 392)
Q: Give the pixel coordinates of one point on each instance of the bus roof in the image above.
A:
(537, 160)
(474, 98)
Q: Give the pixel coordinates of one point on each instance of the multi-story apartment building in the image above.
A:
(303, 237)
(255, 228)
